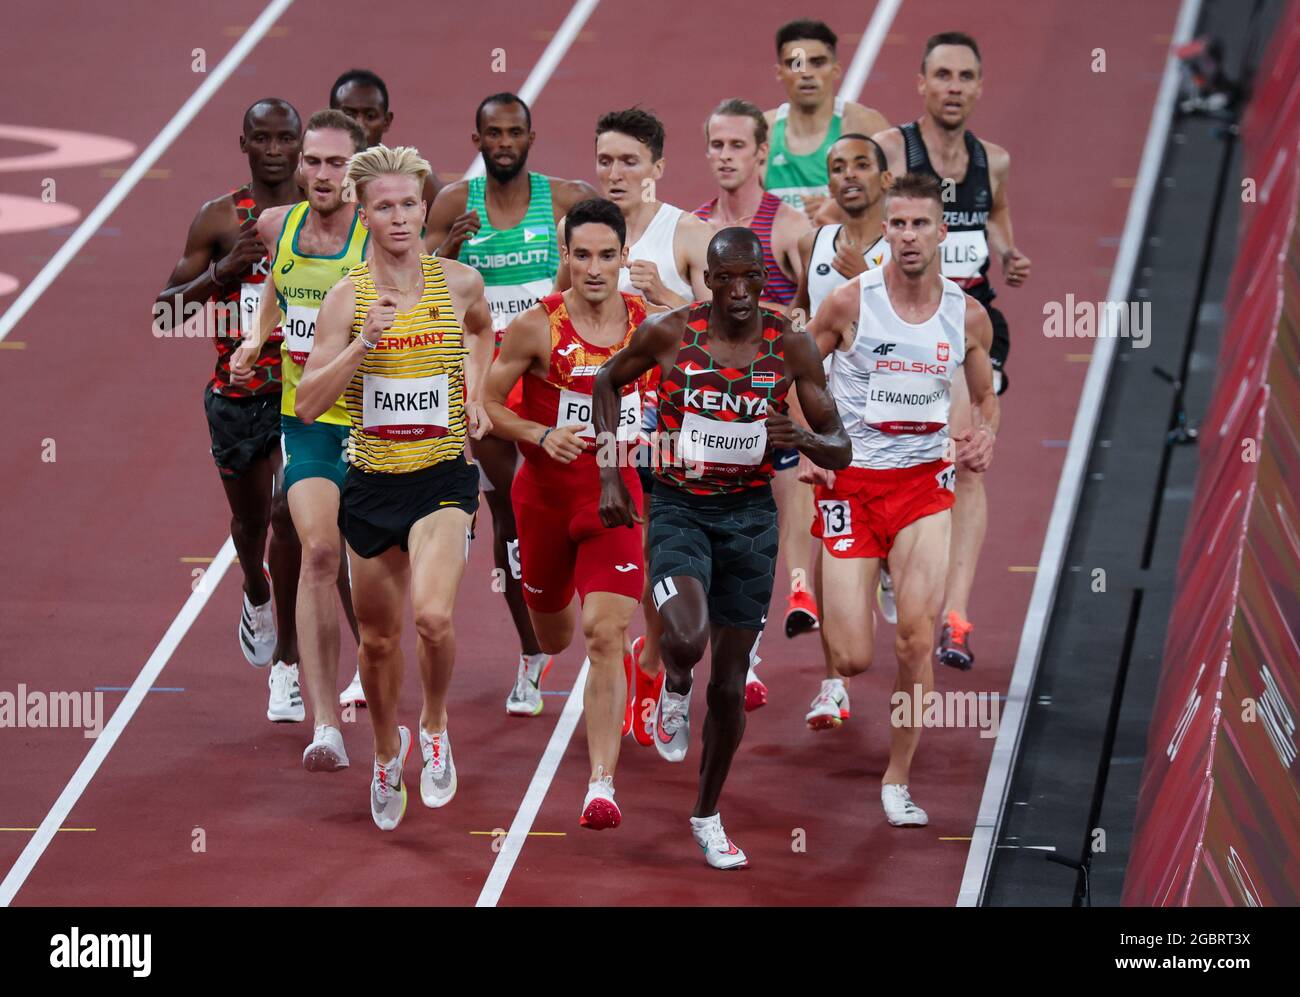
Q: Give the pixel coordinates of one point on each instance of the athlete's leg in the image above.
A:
(918, 564)
(724, 725)
(969, 514)
(249, 497)
(848, 623)
(314, 503)
(554, 630)
(684, 611)
(498, 459)
(794, 500)
(605, 618)
(439, 544)
(379, 586)
(285, 560)
(344, 586)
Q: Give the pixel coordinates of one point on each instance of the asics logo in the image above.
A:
(625, 567)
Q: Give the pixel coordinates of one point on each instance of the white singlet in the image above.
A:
(824, 278)
(656, 246)
(892, 385)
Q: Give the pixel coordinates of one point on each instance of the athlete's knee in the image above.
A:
(683, 647)
(966, 478)
(604, 637)
(726, 690)
(848, 664)
(379, 643)
(434, 625)
(249, 526)
(913, 641)
(320, 561)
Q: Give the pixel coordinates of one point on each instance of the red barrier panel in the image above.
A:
(1218, 819)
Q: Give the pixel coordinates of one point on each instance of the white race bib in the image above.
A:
(962, 255)
(712, 441)
(508, 301)
(405, 408)
(299, 332)
(906, 403)
(576, 408)
(837, 519)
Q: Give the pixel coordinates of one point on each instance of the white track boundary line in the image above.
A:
(1064, 507)
(865, 57)
(537, 789)
(551, 56)
(22, 868)
(152, 153)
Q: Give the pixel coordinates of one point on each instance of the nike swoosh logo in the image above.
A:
(660, 732)
(481, 238)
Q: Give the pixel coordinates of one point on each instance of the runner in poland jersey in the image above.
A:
(563, 398)
(717, 415)
(892, 385)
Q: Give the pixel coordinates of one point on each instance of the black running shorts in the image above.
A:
(729, 543)
(377, 511)
(1000, 350)
(243, 430)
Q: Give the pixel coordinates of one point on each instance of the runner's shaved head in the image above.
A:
(268, 105)
(735, 243)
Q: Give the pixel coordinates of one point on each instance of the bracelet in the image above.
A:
(365, 342)
(544, 435)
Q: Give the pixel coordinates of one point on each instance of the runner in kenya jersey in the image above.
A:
(727, 368)
(557, 347)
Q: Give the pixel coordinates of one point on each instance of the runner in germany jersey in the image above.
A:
(727, 368)
(899, 335)
(220, 272)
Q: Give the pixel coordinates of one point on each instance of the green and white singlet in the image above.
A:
(791, 177)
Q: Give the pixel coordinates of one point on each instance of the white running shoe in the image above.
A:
(672, 728)
(719, 852)
(353, 695)
(285, 703)
(899, 808)
(525, 699)
(831, 707)
(257, 633)
(387, 790)
(885, 597)
(438, 777)
(599, 811)
(326, 752)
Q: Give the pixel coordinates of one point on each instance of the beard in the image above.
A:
(504, 174)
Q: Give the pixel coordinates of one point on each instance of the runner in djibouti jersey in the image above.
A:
(791, 177)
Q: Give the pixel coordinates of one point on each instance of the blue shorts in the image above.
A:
(315, 451)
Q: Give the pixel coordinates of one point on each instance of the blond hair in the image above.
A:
(379, 160)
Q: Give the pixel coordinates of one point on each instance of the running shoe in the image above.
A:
(525, 699)
(954, 645)
(438, 777)
(599, 811)
(257, 633)
(801, 614)
(387, 790)
(353, 695)
(647, 695)
(885, 598)
(831, 707)
(285, 703)
(719, 852)
(325, 753)
(755, 690)
(673, 725)
(899, 808)
(629, 711)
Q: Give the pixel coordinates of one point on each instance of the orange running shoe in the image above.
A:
(647, 695)
(954, 648)
(801, 614)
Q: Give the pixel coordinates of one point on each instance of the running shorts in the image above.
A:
(318, 450)
(377, 510)
(243, 430)
(867, 509)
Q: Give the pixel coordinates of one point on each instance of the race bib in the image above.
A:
(250, 300)
(711, 441)
(962, 255)
(405, 408)
(906, 403)
(837, 520)
(947, 478)
(508, 301)
(576, 408)
(299, 332)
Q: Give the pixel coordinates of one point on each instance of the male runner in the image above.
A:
(363, 97)
(556, 347)
(406, 338)
(225, 263)
(736, 138)
(978, 217)
(503, 224)
(897, 336)
(317, 241)
(726, 367)
(812, 118)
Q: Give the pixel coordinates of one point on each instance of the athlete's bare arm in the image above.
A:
(204, 269)
(976, 444)
(449, 224)
(269, 225)
(654, 343)
(525, 349)
(828, 444)
(862, 119)
(891, 144)
(333, 359)
(788, 227)
(802, 301)
(691, 249)
(1002, 244)
(566, 193)
(836, 323)
(466, 286)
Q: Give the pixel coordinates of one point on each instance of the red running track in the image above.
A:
(95, 541)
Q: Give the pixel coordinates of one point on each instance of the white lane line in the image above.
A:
(1032, 637)
(152, 153)
(22, 868)
(578, 15)
(527, 813)
(865, 57)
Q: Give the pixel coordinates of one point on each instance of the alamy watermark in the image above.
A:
(31, 708)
